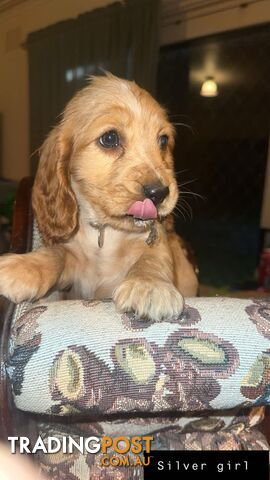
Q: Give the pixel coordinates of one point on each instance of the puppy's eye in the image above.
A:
(163, 141)
(109, 139)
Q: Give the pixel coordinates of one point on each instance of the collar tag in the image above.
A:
(153, 235)
(101, 235)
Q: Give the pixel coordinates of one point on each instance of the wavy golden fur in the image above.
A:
(83, 191)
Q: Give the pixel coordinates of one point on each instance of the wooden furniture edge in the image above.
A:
(21, 242)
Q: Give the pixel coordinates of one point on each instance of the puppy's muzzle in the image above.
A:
(156, 192)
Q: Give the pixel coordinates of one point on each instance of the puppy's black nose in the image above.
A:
(156, 192)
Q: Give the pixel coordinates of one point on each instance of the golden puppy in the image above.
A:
(103, 191)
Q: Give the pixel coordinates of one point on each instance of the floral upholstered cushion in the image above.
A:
(83, 357)
(197, 382)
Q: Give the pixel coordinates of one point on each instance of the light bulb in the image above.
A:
(209, 88)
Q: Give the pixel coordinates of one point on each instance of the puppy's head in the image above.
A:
(109, 161)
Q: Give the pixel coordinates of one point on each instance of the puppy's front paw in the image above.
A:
(19, 278)
(153, 299)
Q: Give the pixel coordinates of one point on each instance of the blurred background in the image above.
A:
(206, 61)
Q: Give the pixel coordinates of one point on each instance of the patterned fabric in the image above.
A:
(196, 382)
(79, 356)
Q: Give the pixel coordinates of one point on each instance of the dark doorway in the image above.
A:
(224, 148)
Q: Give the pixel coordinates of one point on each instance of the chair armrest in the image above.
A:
(79, 357)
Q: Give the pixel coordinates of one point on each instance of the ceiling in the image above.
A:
(6, 4)
(185, 9)
(169, 7)
(171, 4)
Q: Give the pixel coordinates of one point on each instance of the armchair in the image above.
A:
(78, 368)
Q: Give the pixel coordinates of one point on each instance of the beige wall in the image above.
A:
(15, 24)
(31, 15)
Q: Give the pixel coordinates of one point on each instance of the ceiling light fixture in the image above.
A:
(209, 88)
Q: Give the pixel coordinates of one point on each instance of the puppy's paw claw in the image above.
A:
(154, 300)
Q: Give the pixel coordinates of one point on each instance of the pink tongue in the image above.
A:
(143, 210)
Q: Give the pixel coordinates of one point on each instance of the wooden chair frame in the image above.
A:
(21, 242)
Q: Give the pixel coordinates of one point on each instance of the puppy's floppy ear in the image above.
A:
(54, 202)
